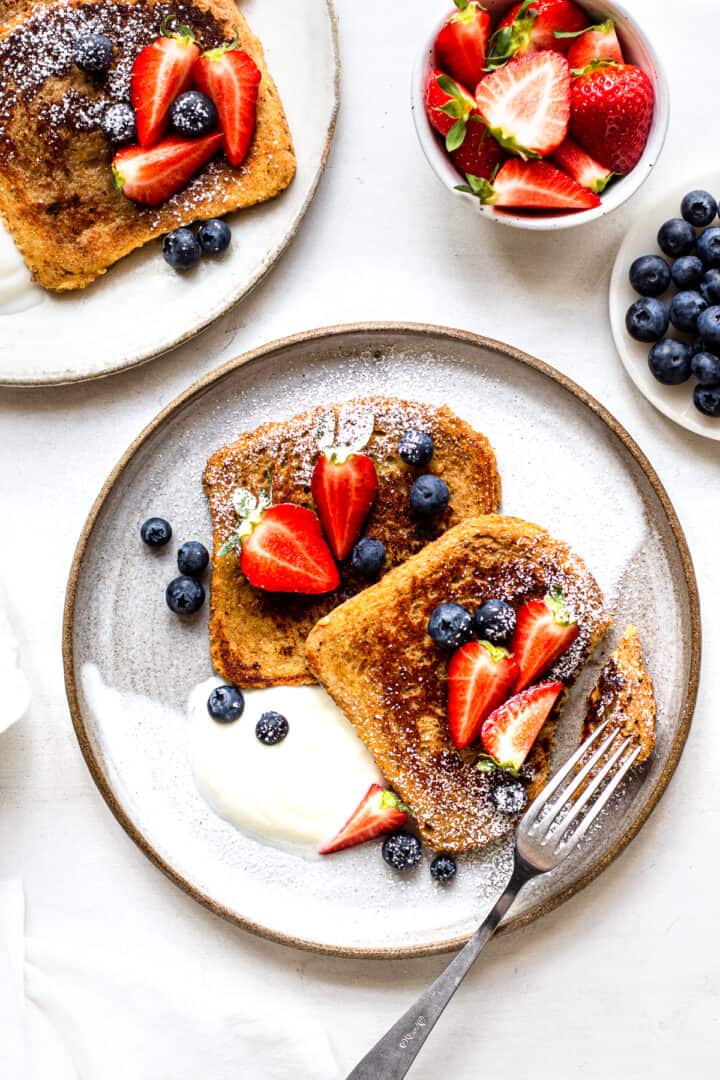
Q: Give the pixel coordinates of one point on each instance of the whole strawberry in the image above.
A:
(448, 106)
(532, 25)
(461, 45)
(611, 109)
(480, 154)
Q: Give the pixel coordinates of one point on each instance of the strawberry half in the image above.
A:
(150, 176)
(231, 79)
(448, 106)
(161, 72)
(344, 485)
(545, 630)
(509, 732)
(531, 185)
(480, 154)
(526, 104)
(281, 547)
(588, 172)
(379, 812)
(534, 25)
(461, 45)
(596, 43)
(611, 112)
(480, 677)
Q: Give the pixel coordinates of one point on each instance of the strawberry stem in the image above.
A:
(601, 28)
(229, 46)
(181, 32)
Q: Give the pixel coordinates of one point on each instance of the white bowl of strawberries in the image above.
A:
(544, 113)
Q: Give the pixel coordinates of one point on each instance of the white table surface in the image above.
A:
(622, 981)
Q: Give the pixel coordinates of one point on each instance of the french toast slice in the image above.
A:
(258, 638)
(57, 196)
(624, 695)
(375, 658)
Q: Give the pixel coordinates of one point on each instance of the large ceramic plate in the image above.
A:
(130, 664)
(141, 307)
(675, 402)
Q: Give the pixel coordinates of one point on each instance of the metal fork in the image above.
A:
(553, 825)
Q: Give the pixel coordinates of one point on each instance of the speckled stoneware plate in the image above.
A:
(675, 402)
(142, 307)
(130, 663)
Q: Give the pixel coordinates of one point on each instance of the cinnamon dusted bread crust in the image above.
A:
(624, 695)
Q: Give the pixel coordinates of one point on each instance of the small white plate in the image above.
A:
(141, 307)
(675, 402)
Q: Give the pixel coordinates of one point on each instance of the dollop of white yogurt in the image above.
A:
(17, 291)
(300, 791)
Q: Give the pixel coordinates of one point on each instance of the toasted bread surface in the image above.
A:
(374, 656)
(57, 195)
(257, 638)
(625, 696)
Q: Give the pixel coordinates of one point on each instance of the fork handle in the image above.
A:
(393, 1055)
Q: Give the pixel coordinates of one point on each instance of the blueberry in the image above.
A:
(669, 361)
(495, 622)
(155, 531)
(192, 558)
(687, 271)
(181, 249)
(705, 367)
(429, 495)
(118, 124)
(684, 310)
(225, 704)
(271, 728)
(193, 114)
(699, 208)
(450, 625)
(707, 400)
(647, 319)
(708, 247)
(367, 557)
(416, 447)
(93, 53)
(185, 595)
(443, 868)
(650, 275)
(709, 326)
(510, 797)
(710, 286)
(214, 236)
(697, 346)
(676, 238)
(401, 850)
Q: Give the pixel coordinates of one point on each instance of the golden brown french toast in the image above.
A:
(374, 656)
(624, 695)
(258, 638)
(57, 196)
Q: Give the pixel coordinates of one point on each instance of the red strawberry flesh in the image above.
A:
(231, 78)
(526, 103)
(597, 43)
(150, 176)
(162, 71)
(480, 677)
(380, 811)
(611, 113)
(461, 45)
(448, 106)
(480, 154)
(581, 167)
(286, 552)
(533, 24)
(344, 491)
(510, 731)
(532, 185)
(545, 630)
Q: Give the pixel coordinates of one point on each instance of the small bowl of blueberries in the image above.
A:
(665, 307)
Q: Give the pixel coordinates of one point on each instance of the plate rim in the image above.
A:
(408, 329)
(65, 379)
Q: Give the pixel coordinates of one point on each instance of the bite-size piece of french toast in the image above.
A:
(624, 696)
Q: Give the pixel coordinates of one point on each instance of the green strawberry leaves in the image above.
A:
(249, 509)
(508, 40)
(458, 109)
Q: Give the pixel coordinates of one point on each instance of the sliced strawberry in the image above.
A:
(343, 490)
(150, 176)
(531, 185)
(526, 104)
(545, 630)
(379, 812)
(611, 113)
(461, 45)
(161, 71)
(480, 677)
(448, 106)
(480, 154)
(596, 43)
(534, 25)
(509, 732)
(231, 79)
(588, 172)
